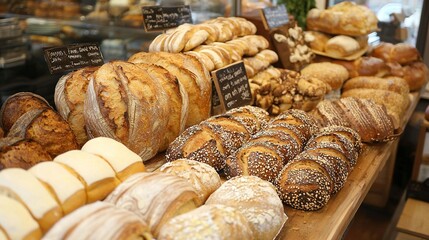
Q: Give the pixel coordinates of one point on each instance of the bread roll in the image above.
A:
(304, 122)
(364, 116)
(144, 194)
(16, 221)
(401, 53)
(46, 127)
(119, 100)
(191, 73)
(21, 153)
(214, 221)
(364, 66)
(123, 161)
(257, 200)
(318, 40)
(100, 220)
(18, 104)
(416, 74)
(203, 177)
(346, 18)
(304, 184)
(332, 74)
(252, 118)
(341, 46)
(23, 187)
(96, 174)
(70, 93)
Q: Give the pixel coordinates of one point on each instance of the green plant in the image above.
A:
(298, 9)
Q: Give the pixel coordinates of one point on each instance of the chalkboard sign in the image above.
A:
(273, 17)
(64, 58)
(156, 18)
(232, 86)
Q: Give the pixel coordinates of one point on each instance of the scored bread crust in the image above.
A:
(70, 93)
(124, 103)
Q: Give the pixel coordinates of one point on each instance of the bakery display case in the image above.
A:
(205, 130)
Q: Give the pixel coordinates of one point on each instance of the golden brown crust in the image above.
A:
(330, 73)
(364, 66)
(416, 74)
(401, 53)
(21, 153)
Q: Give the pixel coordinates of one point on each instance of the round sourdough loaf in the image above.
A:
(124, 103)
(257, 200)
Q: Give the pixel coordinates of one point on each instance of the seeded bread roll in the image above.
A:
(123, 161)
(203, 177)
(304, 184)
(144, 194)
(120, 98)
(191, 73)
(18, 104)
(100, 220)
(22, 186)
(70, 93)
(304, 122)
(46, 127)
(21, 153)
(257, 200)
(330, 73)
(364, 116)
(95, 173)
(214, 221)
(253, 118)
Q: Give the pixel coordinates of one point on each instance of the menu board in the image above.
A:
(232, 86)
(273, 17)
(64, 58)
(157, 18)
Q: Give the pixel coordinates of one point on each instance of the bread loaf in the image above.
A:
(66, 187)
(100, 220)
(203, 177)
(364, 66)
(330, 73)
(123, 161)
(395, 84)
(21, 153)
(70, 93)
(46, 127)
(22, 186)
(317, 40)
(191, 73)
(214, 221)
(341, 46)
(401, 53)
(144, 194)
(347, 18)
(18, 104)
(257, 200)
(16, 221)
(364, 116)
(119, 100)
(95, 173)
(416, 74)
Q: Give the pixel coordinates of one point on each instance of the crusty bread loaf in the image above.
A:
(395, 84)
(18, 104)
(144, 194)
(119, 100)
(21, 153)
(46, 127)
(401, 53)
(395, 103)
(416, 74)
(364, 116)
(68, 190)
(341, 46)
(203, 177)
(123, 161)
(16, 221)
(364, 66)
(253, 118)
(191, 73)
(346, 18)
(70, 93)
(257, 200)
(317, 40)
(22, 186)
(100, 220)
(95, 174)
(213, 221)
(304, 122)
(330, 73)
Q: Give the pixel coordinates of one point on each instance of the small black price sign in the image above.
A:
(273, 17)
(232, 86)
(157, 18)
(70, 57)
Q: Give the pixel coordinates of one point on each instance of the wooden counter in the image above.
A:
(331, 221)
